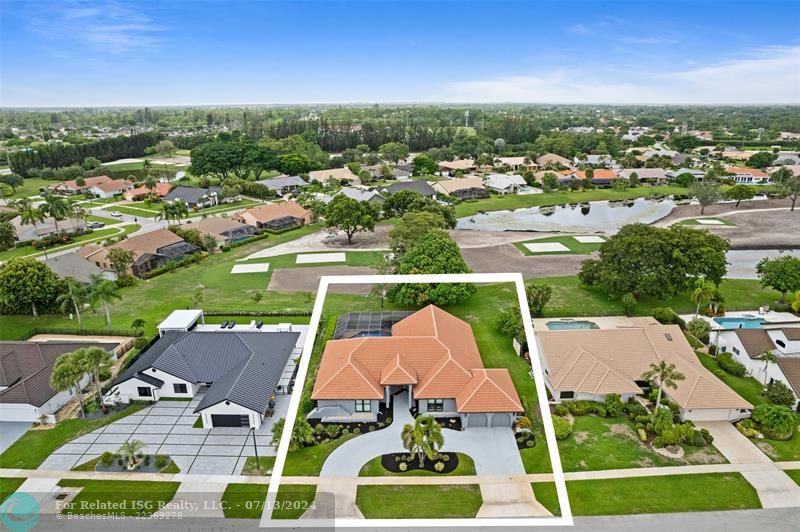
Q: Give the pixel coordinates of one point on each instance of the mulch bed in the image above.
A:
(523, 438)
(363, 428)
(391, 463)
(453, 423)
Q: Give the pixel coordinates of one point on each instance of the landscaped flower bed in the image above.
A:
(331, 431)
(114, 463)
(442, 464)
(525, 439)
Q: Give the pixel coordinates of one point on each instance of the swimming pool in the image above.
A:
(740, 322)
(571, 325)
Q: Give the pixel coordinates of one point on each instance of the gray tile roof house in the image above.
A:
(77, 267)
(25, 369)
(417, 186)
(241, 367)
(283, 183)
(359, 194)
(195, 196)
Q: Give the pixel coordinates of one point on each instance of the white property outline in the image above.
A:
(538, 376)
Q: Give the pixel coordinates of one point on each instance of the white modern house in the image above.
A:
(505, 183)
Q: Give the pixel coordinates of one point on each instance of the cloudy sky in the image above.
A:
(106, 53)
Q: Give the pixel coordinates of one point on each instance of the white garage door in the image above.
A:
(501, 420)
(17, 412)
(477, 420)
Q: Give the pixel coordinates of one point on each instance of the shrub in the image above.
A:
(107, 458)
(439, 466)
(667, 316)
(530, 443)
(372, 428)
(613, 405)
(584, 407)
(388, 421)
(381, 424)
(698, 440)
(634, 409)
(719, 373)
(776, 422)
(160, 462)
(119, 462)
(727, 363)
(147, 460)
(700, 329)
(445, 457)
(562, 427)
(662, 421)
(780, 394)
(141, 342)
(707, 436)
(356, 430)
(561, 410)
(402, 466)
(747, 427)
(642, 434)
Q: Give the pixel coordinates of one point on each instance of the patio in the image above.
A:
(167, 428)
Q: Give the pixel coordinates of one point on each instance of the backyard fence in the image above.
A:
(79, 332)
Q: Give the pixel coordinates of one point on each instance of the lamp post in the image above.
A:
(255, 448)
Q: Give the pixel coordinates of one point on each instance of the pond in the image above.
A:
(596, 216)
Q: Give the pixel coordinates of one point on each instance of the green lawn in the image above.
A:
(9, 486)
(514, 201)
(612, 443)
(676, 493)
(352, 258)
(793, 473)
(373, 468)
(293, 500)
(747, 387)
(141, 213)
(694, 222)
(94, 236)
(308, 461)
(128, 497)
(782, 451)
(251, 467)
(30, 187)
(35, 446)
(423, 502)
(102, 219)
(246, 501)
(575, 247)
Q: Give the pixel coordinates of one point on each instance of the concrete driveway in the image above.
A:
(166, 428)
(10, 431)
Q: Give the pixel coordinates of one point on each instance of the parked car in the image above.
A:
(95, 225)
(116, 214)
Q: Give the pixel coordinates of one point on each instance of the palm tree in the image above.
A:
(150, 185)
(768, 357)
(664, 374)
(424, 438)
(167, 212)
(56, 207)
(28, 214)
(103, 291)
(75, 296)
(95, 359)
(77, 213)
(180, 210)
(129, 452)
(147, 167)
(704, 291)
(68, 371)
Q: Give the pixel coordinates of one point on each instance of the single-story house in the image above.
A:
(224, 230)
(338, 174)
(515, 163)
(430, 354)
(150, 251)
(651, 176)
(28, 232)
(505, 183)
(747, 346)
(748, 176)
(694, 172)
(553, 160)
(276, 216)
(160, 191)
(600, 176)
(422, 187)
(195, 197)
(451, 167)
(283, 184)
(237, 373)
(25, 368)
(592, 363)
(72, 187)
(462, 188)
(376, 171)
(362, 194)
(75, 266)
(109, 189)
(596, 160)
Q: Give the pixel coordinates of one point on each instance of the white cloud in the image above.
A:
(769, 75)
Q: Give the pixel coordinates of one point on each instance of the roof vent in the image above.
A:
(669, 336)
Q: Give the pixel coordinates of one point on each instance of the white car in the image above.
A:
(116, 214)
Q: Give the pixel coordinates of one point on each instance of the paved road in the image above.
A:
(781, 520)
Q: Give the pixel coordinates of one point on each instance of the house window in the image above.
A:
(735, 350)
(144, 391)
(179, 388)
(567, 395)
(780, 343)
(363, 405)
(435, 405)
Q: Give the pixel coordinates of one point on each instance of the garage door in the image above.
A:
(229, 420)
(477, 420)
(501, 420)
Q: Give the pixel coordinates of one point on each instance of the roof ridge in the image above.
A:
(486, 375)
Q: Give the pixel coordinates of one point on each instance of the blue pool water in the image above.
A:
(571, 325)
(741, 322)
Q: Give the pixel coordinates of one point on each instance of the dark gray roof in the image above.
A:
(242, 367)
(73, 265)
(190, 194)
(280, 182)
(417, 186)
(25, 368)
(149, 379)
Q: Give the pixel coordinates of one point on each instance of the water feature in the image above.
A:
(569, 325)
(596, 216)
(740, 322)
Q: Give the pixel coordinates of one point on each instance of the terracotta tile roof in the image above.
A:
(216, 225)
(790, 366)
(459, 164)
(756, 342)
(431, 349)
(744, 170)
(114, 185)
(332, 173)
(599, 173)
(90, 182)
(160, 190)
(272, 211)
(553, 158)
(605, 361)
